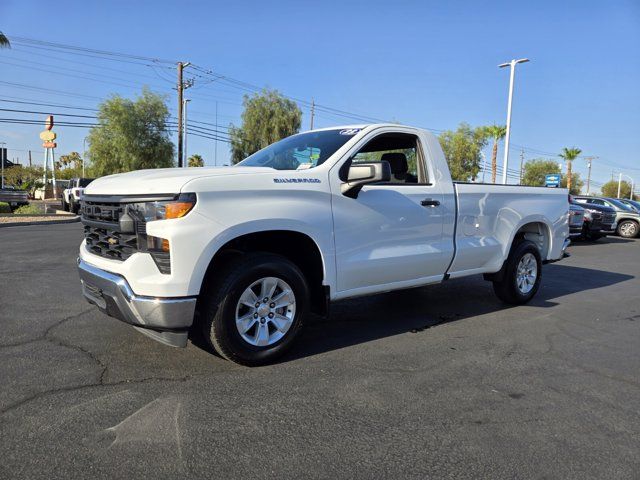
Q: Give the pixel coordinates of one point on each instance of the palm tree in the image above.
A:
(4, 41)
(570, 154)
(497, 132)
(196, 160)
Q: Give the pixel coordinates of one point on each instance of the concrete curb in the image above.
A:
(45, 222)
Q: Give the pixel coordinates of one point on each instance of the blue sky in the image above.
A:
(431, 64)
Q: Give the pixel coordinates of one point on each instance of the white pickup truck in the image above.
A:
(240, 255)
(71, 196)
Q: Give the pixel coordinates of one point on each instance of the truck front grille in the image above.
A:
(110, 243)
(609, 218)
(103, 231)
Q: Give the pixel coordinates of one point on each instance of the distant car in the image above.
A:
(627, 218)
(632, 203)
(599, 221)
(576, 220)
(72, 194)
(15, 198)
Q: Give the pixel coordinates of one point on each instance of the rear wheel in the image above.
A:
(628, 229)
(65, 205)
(522, 274)
(253, 312)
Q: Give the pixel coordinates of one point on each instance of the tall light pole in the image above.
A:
(620, 184)
(185, 163)
(505, 163)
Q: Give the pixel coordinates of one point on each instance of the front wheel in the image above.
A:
(522, 274)
(628, 229)
(253, 312)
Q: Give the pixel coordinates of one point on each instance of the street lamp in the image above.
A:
(511, 64)
(620, 184)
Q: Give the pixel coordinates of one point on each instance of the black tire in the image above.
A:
(72, 206)
(65, 205)
(220, 297)
(628, 229)
(507, 288)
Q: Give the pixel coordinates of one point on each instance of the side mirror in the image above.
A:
(361, 174)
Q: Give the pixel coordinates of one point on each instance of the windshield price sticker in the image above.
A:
(350, 131)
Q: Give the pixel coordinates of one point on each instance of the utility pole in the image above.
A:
(2, 159)
(29, 158)
(511, 64)
(181, 87)
(589, 160)
(186, 157)
(313, 108)
(521, 164)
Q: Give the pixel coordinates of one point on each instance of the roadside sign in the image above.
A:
(552, 180)
(48, 123)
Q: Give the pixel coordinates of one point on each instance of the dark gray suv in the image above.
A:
(627, 218)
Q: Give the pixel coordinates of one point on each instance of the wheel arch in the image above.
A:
(297, 246)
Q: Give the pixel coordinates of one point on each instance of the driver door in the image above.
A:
(391, 235)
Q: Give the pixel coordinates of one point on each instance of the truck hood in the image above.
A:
(162, 180)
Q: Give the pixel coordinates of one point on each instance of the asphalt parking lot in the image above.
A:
(442, 381)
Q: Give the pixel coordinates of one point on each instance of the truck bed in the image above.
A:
(489, 216)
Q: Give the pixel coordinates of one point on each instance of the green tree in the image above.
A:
(24, 178)
(610, 189)
(71, 160)
(569, 155)
(535, 171)
(131, 135)
(462, 149)
(268, 117)
(196, 160)
(4, 41)
(576, 183)
(497, 133)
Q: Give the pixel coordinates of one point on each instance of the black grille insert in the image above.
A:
(110, 243)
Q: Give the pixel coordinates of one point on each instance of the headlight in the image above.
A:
(144, 212)
(165, 210)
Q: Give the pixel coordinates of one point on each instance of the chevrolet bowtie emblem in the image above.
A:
(112, 241)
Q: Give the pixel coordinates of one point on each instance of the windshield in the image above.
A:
(306, 150)
(621, 205)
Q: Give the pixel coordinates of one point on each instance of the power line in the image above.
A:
(101, 53)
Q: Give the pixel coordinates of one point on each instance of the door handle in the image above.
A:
(428, 202)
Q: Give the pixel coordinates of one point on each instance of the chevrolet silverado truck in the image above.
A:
(238, 256)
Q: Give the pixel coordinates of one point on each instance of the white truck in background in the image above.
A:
(240, 255)
(71, 196)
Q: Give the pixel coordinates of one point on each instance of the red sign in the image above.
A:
(49, 144)
(48, 123)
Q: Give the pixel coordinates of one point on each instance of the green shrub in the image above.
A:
(28, 210)
(5, 208)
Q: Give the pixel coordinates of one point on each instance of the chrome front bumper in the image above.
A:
(166, 320)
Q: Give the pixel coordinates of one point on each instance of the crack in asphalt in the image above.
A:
(99, 383)
(44, 335)
(47, 336)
